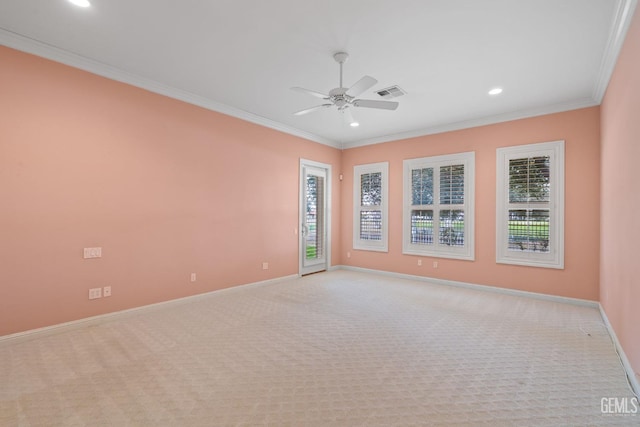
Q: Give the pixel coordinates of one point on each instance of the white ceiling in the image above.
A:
(242, 57)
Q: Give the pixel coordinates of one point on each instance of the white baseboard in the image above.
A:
(76, 324)
(633, 379)
(515, 292)
(88, 321)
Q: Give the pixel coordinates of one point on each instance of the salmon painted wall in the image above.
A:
(620, 229)
(164, 187)
(580, 130)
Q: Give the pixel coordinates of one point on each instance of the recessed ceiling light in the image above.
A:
(81, 3)
(495, 91)
(354, 124)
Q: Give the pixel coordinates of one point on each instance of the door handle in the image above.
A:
(304, 230)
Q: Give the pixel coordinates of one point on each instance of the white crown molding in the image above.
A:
(25, 44)
(619, 27)
(484, 121)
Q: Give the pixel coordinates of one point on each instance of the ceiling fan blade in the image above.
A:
(309, 110)
(361, 85)
(310, 92)
(348, 116)
(370, 103)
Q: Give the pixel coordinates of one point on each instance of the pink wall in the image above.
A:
(580, 130)
(620, 229)
(164, 187)
(167, 189)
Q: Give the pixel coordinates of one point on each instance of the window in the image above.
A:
(530, 205)
(370, 190)
(438, 206)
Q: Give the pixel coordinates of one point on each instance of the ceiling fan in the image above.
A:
(345, 98)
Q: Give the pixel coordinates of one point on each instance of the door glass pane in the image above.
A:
(314, 217)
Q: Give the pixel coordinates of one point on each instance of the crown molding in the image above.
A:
(619, 27)
(34, 47)
(484, 121)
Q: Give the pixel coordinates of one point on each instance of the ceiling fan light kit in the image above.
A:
(346, 98)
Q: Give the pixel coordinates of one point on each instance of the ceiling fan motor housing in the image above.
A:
(339, 97)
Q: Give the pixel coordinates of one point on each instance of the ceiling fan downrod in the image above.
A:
(341, 58)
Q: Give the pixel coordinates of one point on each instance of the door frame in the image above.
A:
(301, 212)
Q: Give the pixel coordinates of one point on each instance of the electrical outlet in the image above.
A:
(348, 254)
(106, 291)
(92, 253)
(419, 262)
(265, 265)
(193, 277)
(435, 264)
(95, 293)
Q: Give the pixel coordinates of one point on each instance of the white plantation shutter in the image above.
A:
(452, 194)
(438, 207)
(422, 206)
(370, 207)
(530, 205)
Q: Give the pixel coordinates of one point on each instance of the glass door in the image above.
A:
(313, 228)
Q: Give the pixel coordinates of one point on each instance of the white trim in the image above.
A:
(466, 252)
(483, 121)
(631, 375)
(621, 22)
(368, 245)
(478, 287)
(37, 48)
(633, 379)
(619, 27)
(328, 168)
(93, 320)
(623, 16)
(555, 257)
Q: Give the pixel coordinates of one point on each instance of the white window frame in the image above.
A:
(555, 257)
(371, 245)
(466, 252)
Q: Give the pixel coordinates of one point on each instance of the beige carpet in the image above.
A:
(331, 349)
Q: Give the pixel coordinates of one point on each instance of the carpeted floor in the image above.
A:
(332, 349)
